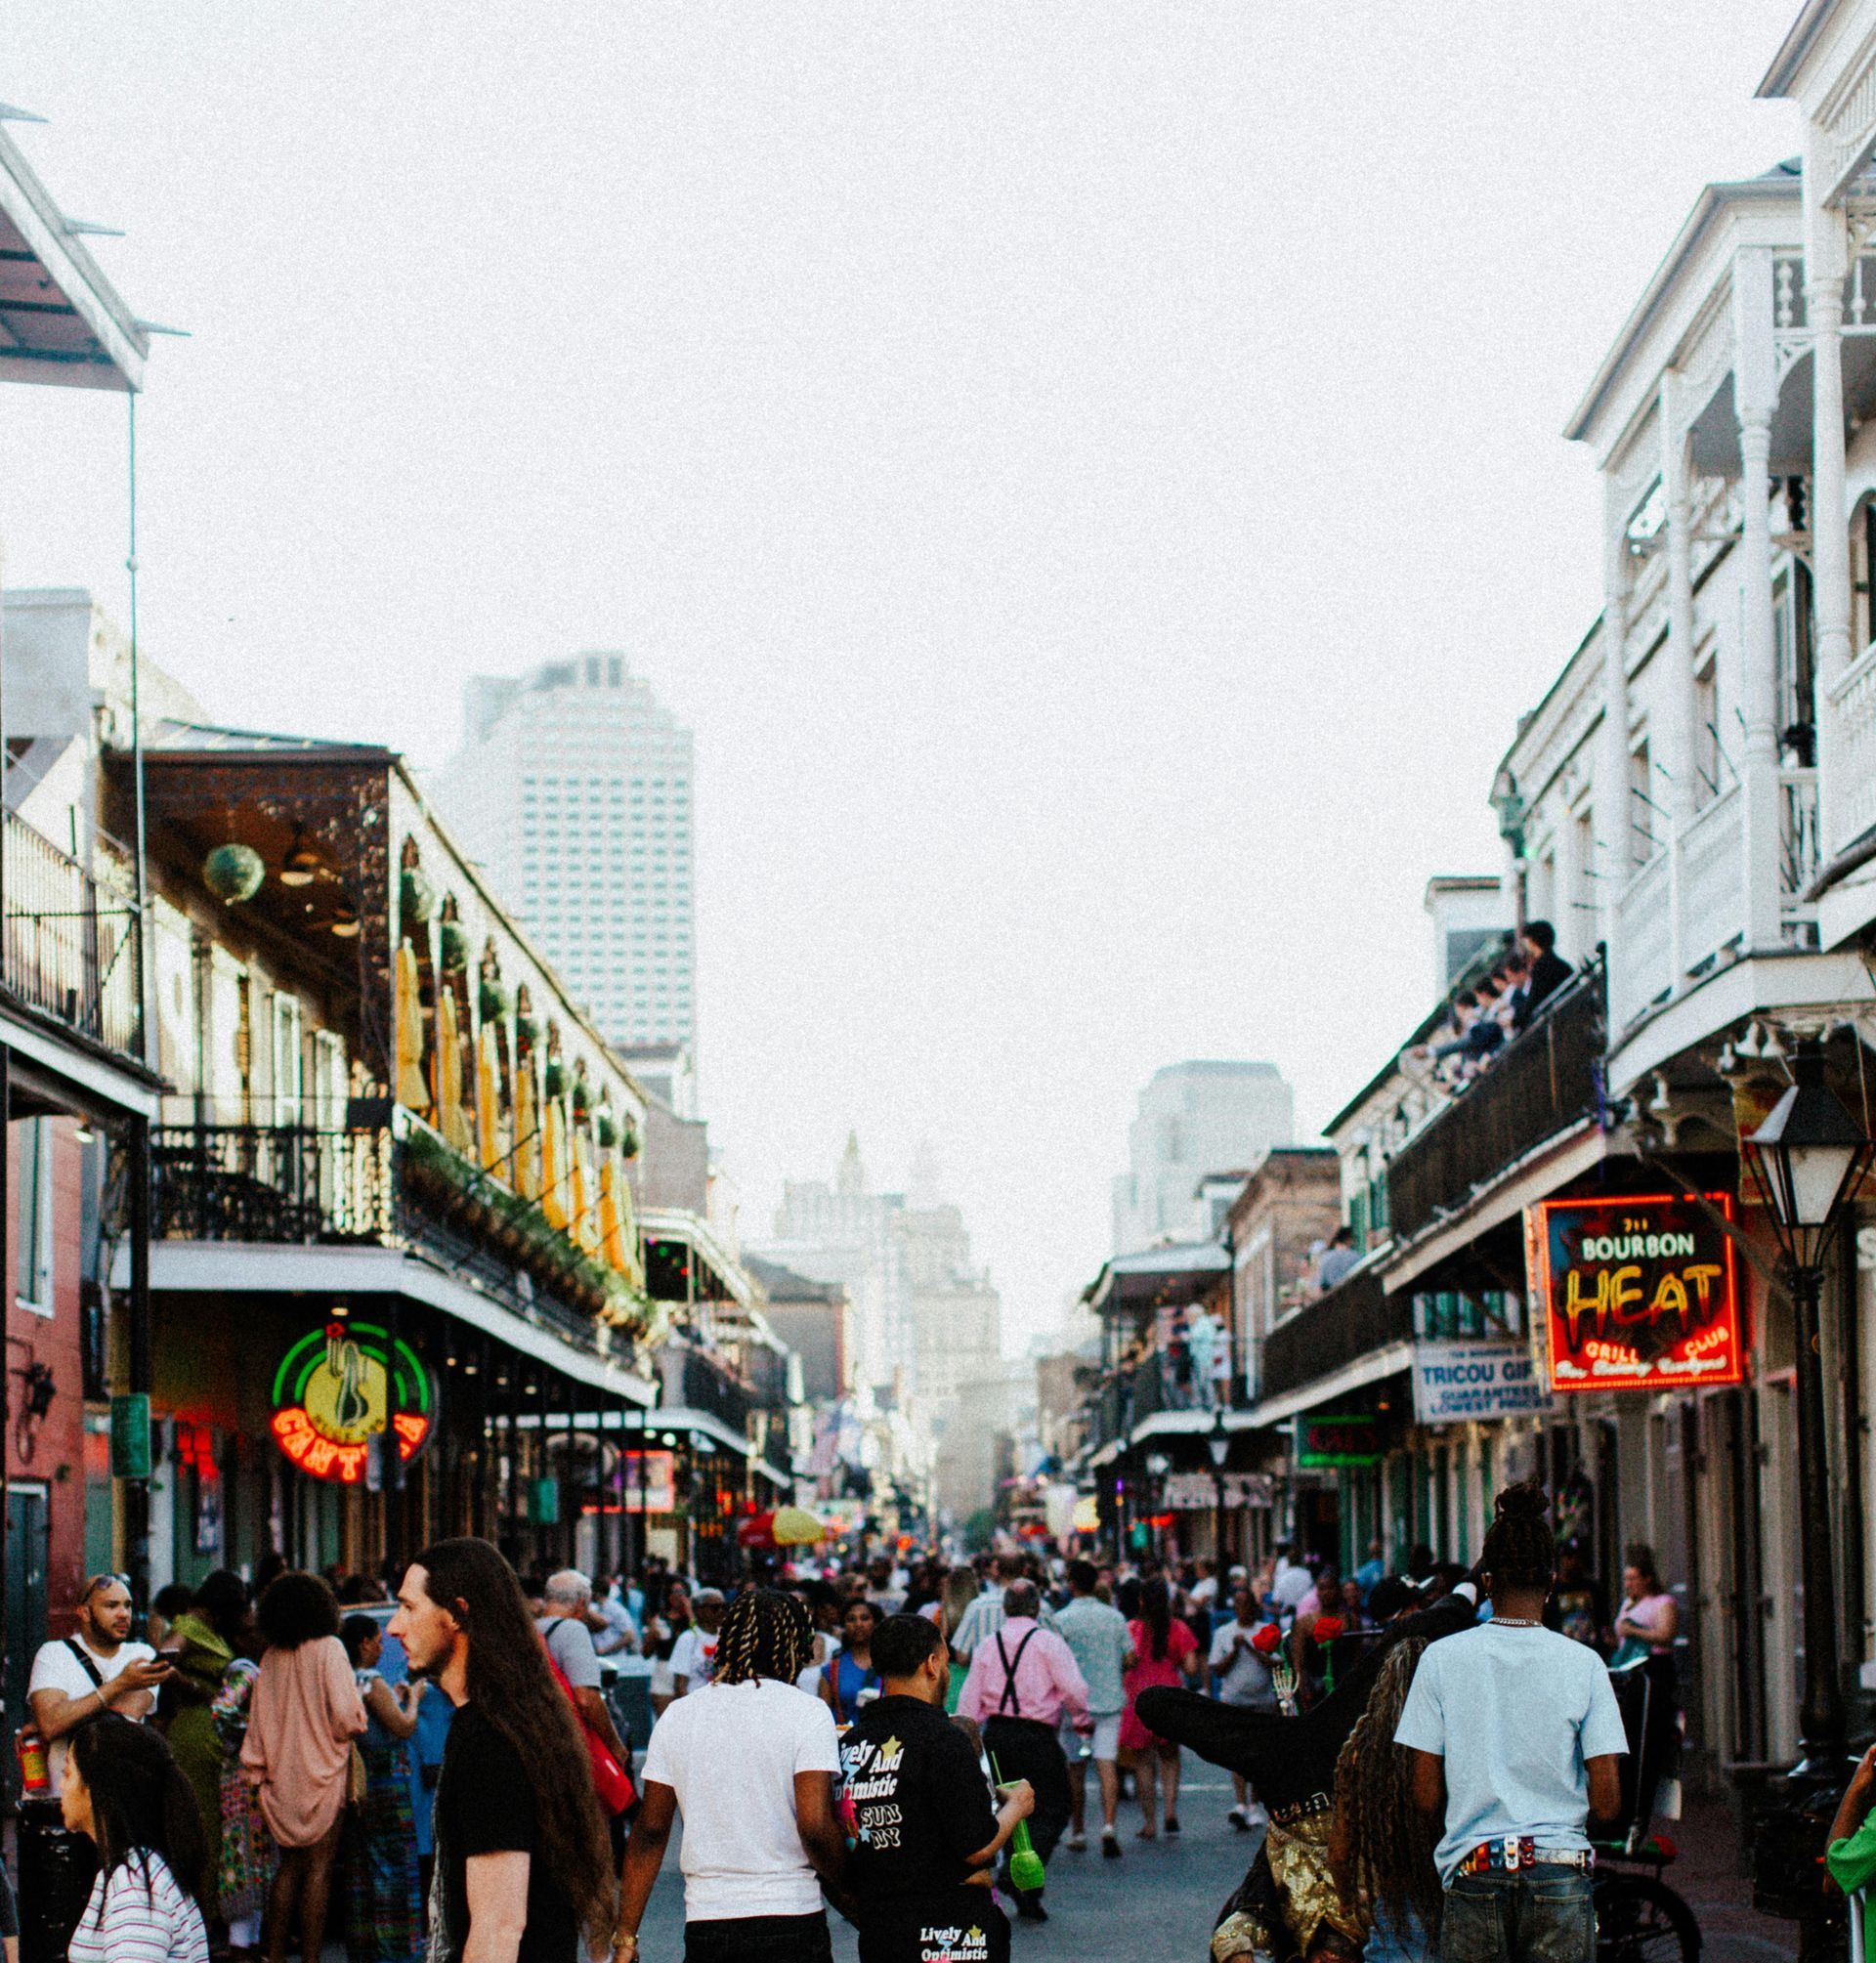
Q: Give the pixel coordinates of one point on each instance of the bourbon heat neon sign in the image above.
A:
(1636, 1292)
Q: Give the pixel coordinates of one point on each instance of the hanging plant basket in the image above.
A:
(556, 1080)
(492, 1001)
(234, 873)
(629, 1139)
(455, 948)
(416, 900)
(527, 1031)
(582, 1097)
(605, 1130)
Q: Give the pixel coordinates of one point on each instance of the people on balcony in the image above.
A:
(1549, 971)
(1338, 1257)
(1485, 1018)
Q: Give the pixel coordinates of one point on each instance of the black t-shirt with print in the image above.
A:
(914, 1802)
(485, 1804)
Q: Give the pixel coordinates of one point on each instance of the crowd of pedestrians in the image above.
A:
(890, 1739)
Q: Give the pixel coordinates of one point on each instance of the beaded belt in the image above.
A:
(1316, 1802)
(1507, 1855)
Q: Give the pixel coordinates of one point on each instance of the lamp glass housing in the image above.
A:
(1808, 1160)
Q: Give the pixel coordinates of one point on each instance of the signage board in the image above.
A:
(339, 1389)
(1198, 1492)
(1455, 1381)
(130, 1436)
(1636, 1291)
(651, 1482)
(1336, 1441)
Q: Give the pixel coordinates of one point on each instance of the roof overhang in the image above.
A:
(61, 319)
(1166, 1277)
(1793, 50)
(1715, 201)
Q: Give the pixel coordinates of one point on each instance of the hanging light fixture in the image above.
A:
(1807, 1159)
(344, 922)
(302, 865)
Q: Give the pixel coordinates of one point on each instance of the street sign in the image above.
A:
(1456, 1381)
(1636, 1291)
(1336, 1441)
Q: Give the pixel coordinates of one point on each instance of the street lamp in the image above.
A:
(1808, 1160)
(1217, 1441)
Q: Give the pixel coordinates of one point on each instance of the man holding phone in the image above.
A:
(97, 1667)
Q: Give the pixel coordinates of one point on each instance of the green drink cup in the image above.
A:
(1026, 1870)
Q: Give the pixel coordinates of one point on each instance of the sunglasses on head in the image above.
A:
(99, 1581)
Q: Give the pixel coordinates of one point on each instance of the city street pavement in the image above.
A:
(1156, 1905)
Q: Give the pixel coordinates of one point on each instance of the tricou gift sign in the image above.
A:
(1637, 1293)
(1454, 1382)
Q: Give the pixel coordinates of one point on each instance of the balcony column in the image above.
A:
(1675, 715)
(1754, 395)
(1825, 254)
(1612, 815)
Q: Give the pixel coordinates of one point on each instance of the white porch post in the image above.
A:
(1825, 255)
(1612, 816)
(1674, 702)
(1567, 898)
(1755, 395)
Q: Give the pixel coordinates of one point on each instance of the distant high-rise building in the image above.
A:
(574, 788)
(1194, 1119)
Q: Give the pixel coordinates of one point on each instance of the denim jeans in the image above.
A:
(1540, 1914)
(759, 1938)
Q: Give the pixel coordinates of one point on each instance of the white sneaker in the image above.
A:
(1254, 1816)
(1077, 1843)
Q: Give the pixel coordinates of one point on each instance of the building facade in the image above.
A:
(1193, 1119)
(574, 790)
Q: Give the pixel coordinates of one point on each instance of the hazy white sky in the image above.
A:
(1089, 473)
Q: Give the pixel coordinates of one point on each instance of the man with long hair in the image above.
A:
(523, 1866)
(1515, 1739)
(750, 1759)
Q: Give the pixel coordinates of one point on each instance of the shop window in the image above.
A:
(34, 1236)
(286, 1060)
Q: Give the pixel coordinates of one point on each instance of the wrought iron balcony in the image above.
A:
(364, 1185)
(707, 1387)
(1536, 1086)
(1355, 1319)
(70, 943)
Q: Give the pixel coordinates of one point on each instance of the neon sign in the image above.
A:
(1637, 1293)
(339, 1387)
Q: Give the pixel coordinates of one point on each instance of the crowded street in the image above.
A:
(937, 982)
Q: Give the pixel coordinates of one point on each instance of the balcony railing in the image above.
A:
(707, 1387)
(288, 1184)
(1543, 1081)
(70, 944)
(1355, 1319)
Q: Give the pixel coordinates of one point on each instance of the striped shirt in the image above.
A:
(984, 1618)
(140, 1914)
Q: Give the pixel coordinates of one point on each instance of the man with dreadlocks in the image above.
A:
(1515, 1740)
(750, 1760)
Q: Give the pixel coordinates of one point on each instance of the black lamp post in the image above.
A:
(1217, 1441)
(1808, 1160)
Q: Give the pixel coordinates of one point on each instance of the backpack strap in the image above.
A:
(85, 1662)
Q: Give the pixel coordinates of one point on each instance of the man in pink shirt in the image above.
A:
(1020, 1681)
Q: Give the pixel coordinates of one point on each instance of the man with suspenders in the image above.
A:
(1020, 1681)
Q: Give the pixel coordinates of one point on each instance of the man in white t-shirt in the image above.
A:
(693, 1653)
(1242, 1672)
(98, 1668)
(750, 1761)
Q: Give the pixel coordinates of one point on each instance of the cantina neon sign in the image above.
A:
(1637, 1293)
(341, 1386)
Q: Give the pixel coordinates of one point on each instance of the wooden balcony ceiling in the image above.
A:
(1168, 1277)
(60, 321)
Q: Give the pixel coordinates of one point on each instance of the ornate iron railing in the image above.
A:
(288, 1184)
(708, 1387)
(69, 946)
(1546, 1080)
(1353, 1320)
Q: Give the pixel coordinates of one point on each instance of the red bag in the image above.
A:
(610, 1781)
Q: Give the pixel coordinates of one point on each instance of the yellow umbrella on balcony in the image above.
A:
(451, 1118)
(553, 1165)
(525, 1176)
(585, 1193)
(411, 1091)
(489, 1098)
(795, 1526)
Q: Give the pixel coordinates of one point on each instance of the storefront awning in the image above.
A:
(244, 1268)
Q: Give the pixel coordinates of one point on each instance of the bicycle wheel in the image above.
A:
(1641, 1920)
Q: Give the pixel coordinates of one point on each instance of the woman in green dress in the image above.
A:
(201, 1644)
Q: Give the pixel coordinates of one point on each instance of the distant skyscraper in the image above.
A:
(1194, 1119)
(572, 788)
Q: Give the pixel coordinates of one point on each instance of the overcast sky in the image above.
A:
(1090, 474)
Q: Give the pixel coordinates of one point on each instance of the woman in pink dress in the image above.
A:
(301, 1721)
(1163, 1651)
